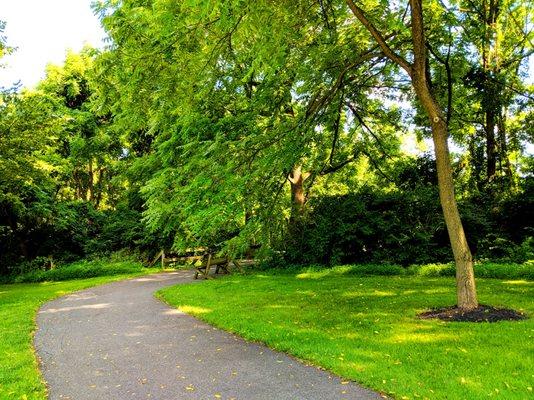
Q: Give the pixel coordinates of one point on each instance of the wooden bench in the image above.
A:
(202, 263)
(220, 264)
(169, 259)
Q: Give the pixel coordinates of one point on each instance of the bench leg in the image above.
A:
(238, 265)
(208, 265)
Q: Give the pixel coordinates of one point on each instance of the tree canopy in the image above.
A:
(257, 125)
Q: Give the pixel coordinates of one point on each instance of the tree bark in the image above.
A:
(90, 182)
(501, 124)
(465, 279)
(298, 198)
(100, 187)
(78, 185)
(21, 240)
(491, 154)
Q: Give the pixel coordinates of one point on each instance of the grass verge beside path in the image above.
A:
(19, 375)
(365, 329)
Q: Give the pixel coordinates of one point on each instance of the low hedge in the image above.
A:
(482, 270)
(77, 270)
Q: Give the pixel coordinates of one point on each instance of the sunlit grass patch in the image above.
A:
(195, 310)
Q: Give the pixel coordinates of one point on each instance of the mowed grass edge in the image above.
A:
(19, 373)
(366, 329)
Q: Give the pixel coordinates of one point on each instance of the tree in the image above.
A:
(58, 163)
(87, 148)
(26, 186)
(418, 72)
(235, 125)
(501, 32)
(237, 103)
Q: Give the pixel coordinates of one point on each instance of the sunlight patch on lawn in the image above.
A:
(195, 310)
(417, 337)
(518, 282)
(325, 272)
(374, 293)
(462, 380)
(438, 290)
(279, 306)
(306, 292)
(312, 275)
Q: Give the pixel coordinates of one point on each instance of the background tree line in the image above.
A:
(286, 127)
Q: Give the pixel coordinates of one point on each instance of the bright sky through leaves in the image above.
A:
(42, 31)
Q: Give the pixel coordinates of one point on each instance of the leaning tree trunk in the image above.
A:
(465, 277)
(418, 72)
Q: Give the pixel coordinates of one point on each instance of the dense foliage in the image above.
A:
(289, 128)
(404, 226)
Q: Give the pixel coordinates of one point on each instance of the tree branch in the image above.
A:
(319, 101)
(337, 124)
(365, 127)
(335, 168)
(418, 40)
(446, 63)
(379, 38)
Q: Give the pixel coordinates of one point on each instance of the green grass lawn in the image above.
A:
(19, 375)
(365, 329)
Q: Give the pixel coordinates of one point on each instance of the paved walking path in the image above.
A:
(117, 342)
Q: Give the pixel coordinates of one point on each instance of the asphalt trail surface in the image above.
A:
(117, 341)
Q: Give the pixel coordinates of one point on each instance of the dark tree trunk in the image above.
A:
(100, 187)
(491, 153)
(503, 153)
(21, 240)
(90, 183)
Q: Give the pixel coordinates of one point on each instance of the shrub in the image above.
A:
(407, 227)
(432, 270)
(505, 271)
(482, 270)
(79, 270)
(372, 227)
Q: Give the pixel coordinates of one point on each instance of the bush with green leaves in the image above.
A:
(78, 270)
(369, 226)
(513, 271)
(404, 225)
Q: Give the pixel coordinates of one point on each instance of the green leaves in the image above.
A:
(226, 88)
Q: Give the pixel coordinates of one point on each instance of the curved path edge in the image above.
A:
(116, 342)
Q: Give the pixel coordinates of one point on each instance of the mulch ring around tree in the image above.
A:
(482, 313)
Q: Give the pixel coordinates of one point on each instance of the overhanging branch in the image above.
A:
(379, 38)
